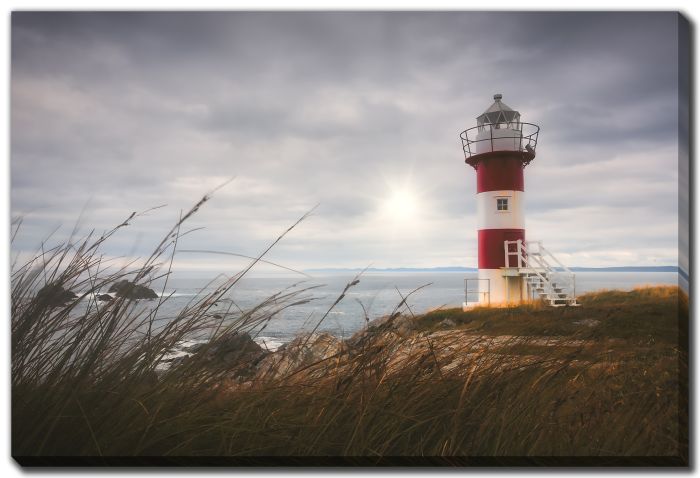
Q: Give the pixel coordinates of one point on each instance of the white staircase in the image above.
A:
(555, 284)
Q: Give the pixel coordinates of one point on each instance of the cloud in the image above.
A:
(119, 112)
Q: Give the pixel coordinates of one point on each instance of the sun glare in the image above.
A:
(401, 205)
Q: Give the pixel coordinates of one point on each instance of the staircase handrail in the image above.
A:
(544, 279)
(523, 259)
(559, 263)
(541, 259)
(537, 264)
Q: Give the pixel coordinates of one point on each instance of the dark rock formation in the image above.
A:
(237, 354)
(105, 297)
(54, 295)
(127, 289)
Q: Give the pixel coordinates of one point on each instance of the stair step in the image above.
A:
(539, 273)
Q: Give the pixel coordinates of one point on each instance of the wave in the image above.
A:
(269, 343)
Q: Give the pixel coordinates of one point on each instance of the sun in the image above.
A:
(401, 205)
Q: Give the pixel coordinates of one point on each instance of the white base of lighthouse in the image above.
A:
(499, 288)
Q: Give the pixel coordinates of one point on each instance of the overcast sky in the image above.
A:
(359, 113)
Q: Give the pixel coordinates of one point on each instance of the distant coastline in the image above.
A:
(474, 269)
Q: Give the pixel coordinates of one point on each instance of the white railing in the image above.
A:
(564, 277)
(531, 258)
(521, 261)
(483, 296)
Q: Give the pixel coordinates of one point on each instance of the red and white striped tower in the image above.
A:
(499, 148)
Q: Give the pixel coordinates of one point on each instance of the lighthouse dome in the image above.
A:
(499, 114)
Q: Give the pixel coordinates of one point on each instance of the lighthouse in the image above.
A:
(511, 270)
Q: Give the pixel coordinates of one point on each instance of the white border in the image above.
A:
(8, 467)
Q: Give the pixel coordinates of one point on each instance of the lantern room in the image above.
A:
(499, 116)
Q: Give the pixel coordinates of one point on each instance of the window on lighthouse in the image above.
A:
(501, 204)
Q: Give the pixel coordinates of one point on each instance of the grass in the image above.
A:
(526, 381)
(645, 313)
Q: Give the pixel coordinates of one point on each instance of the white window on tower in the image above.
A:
(501, 204)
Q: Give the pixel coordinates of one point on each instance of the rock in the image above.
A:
(314, 347)
(105, 297)
(236, 353)
(405, 325)
(238, 342)
(303, 351)
(448, 324)
(177, 361)
(383, 329)
(193, 348)
(127, 289)
(378, 323)
(54, 295)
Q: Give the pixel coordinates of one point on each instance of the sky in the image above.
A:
(357, 115)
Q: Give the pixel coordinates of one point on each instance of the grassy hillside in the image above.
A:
(607, 379)
(646, 312)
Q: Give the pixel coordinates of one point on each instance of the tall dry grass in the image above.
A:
(86, 384)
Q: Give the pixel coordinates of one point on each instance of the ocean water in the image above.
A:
(377, 294)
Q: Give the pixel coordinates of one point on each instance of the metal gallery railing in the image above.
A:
(524, 139)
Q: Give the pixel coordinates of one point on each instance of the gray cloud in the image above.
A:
(114, 112)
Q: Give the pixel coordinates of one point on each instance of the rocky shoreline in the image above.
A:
(394, 343)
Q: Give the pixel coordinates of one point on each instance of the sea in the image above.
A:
(376, 294)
